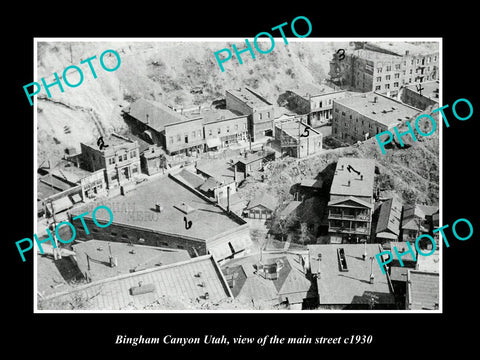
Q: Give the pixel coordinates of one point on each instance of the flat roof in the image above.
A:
(423, 290)
(379, 108)
(352, 286)
(430, 89)
(400, 47)
(306, 90)
(357, 187)
(187, 281)
(211, 115)
(129, 258)
(249, 97)
(375, 56)
(154, 114)
(68, 171)
(296, 129)
(208, 220)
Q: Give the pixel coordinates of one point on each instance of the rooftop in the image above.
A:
(307, 90)
(400, 48)
(423, 290)
(156, 115)
(296, 129)
(401, 248)
(208, 220)
(130, 258)
(219, 169)
(374, 55)
(211, 115)
(389, 216)
(247, 283)
(249, 97)
(427, 89)
(67, 170)
(352, 286)
(379, 108)
(429, 263)
(268, 201)
(187, 280)
(344, 173)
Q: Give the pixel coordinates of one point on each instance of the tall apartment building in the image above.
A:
(357, 118)
(260, 112)
(351, 201)
(121, 159)
(385, 67)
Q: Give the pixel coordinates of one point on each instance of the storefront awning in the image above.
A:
(213, 142)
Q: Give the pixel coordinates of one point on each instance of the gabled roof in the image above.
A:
(193, 179)
(210, 184)
(264, 200)
(389, 217)
(291, 283)
(345, 202)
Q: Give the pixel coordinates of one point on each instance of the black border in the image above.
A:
(96, 333)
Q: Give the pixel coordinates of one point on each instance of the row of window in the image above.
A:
(210, 133)
(320, 103)
(123, 157)
(261, 115)
(418, 61)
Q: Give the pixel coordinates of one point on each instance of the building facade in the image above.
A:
(422, 95)
(360, 117)
(298, 139)
(223, 128)
(351, 201)
(385, 67)
(260, 112)
(120, 160)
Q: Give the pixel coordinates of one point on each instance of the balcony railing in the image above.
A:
(340, 216)
(347, 230)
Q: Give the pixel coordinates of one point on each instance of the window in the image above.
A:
(125, 157)
(428, 68)
(179, 138)
(429, 59)
(387, 77)
(343, 113)
(113, 234)
(193, 134)
(260, 115)
(180, 247)
(387, 86)
(418, 60)
(411, 62)
(379, 78)
(389, 68)
(350, 117)
(245, 126)
(124, 236)
(268, 114)
(397, 76)
(134, 169)
(397, 66)
(209, 132)
(410, 71)
(435, 58)
(218, 131)
(379, 70)
(228, 128)
(410, 80)
(336, 110)
(405, 63)
(120, 158)
(395, 84)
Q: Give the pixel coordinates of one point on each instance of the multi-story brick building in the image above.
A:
(357, 118)
(121, 159)
(260, 112)
(316, 101)
(385, 67)
(351, 201)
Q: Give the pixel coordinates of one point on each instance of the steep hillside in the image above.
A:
(162, 71)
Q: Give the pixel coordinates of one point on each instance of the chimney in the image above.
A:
(372, 278)
(407, 52)
(228, 199)
(361, 176)
(158, 207)
(348, 182)
(374, 99)
(147, 118)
